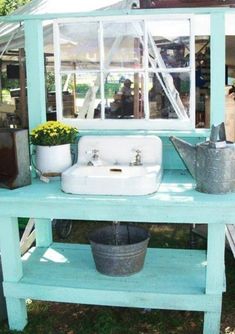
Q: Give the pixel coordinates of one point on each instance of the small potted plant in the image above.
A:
(52, 142)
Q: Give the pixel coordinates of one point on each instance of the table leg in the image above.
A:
(212, 322)
(214, 275)
(43, 229)
(12, 271)
(17, 313)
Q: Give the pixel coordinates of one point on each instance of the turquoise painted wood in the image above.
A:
(171, 279)
(43, 230)
(9, 248)
(35, 72)
(115, 12)
(72, 267)
(67, 272)
(215, 274)
(211, 322)
(176, 201)
(12, 269)
(17, 308)
(217, 68)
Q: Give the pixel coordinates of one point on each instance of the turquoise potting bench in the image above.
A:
(171, 279)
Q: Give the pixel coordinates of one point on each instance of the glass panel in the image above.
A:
(50, 77)
(51, 113)
(79, 46)
(124, 96)
(123, 45)
(81, 95)
(68, 92)
(167, 102)
(169, 43)
(202, 80)
(229, 24)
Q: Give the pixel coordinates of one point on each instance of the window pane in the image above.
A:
(123, 45)
(202, 78)
(124, 96)
(68, 104)
(81, 95)
(87, 95)
(79, 46)
(169, 43)
(137, 83)
(167, 101)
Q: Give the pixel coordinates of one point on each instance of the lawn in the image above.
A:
(61, 318)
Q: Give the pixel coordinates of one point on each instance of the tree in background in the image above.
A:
(9, 6)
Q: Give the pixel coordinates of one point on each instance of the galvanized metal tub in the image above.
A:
(122, 257)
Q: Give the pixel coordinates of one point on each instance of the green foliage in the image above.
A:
(81, 89)
(6, 96)
(50, 81)
(9, 6)
(53, 133)
(22, 222)
(111, 88)
(9, 83)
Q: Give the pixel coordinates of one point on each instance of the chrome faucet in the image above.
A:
(94, 158)
(138, 160)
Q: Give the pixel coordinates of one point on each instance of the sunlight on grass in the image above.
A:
(229, 330)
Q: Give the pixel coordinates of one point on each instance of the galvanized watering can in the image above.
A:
(211, 163)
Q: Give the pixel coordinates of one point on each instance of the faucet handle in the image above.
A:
(94, 159)
(138, 158)
(136, 150)
(92, 152)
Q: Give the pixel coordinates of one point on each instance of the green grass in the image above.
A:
(63, 318)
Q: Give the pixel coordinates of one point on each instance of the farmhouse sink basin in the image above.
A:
(112, 180)
(115, 165)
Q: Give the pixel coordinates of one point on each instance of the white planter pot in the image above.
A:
(53, 160)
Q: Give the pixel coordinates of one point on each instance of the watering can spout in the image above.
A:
(187, 152)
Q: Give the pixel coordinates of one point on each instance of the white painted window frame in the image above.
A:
(125, 124)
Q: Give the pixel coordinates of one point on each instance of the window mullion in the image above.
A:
(58, 85)
(192, 96)
(100, 73)
(102, 76)
(146, 72)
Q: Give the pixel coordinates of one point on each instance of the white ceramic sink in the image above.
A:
(113, 175)
(112, 180)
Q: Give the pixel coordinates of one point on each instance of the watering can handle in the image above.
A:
(218, 133)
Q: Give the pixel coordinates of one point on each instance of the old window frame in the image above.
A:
(146, 123)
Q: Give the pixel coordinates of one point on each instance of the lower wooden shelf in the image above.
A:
(170, 279)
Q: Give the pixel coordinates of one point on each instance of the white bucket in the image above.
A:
(53, 160)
